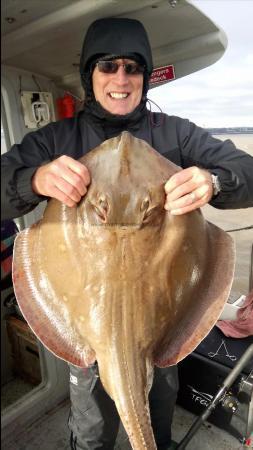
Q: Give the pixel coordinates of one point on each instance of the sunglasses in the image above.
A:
(113, 67)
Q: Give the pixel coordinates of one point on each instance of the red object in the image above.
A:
(243, 325)
(66, 106)
(162, 74)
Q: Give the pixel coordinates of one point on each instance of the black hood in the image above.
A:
(114, 38)
(118, 36)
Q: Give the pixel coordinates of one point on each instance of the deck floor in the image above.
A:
(50, 432)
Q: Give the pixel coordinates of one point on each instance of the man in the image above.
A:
(115, 67)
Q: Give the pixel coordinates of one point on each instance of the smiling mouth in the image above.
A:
(118, 95)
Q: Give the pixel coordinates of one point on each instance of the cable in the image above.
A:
(240, 229)
(20, 84)
(161, 118)
(74, 96)
(36, 82)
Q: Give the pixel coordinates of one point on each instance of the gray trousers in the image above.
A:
(94, 420)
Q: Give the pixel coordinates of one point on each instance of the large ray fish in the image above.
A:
(120, 280)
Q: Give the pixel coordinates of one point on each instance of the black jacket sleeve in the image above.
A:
(22, 160)
(17, 168)
(234, 167)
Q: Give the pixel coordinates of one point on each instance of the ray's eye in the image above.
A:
(99, 212)
(145, 205)
(101, 208)
(151, 213)
(103, 205)
(147, 210)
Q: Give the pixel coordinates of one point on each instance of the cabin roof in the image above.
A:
(45, 37)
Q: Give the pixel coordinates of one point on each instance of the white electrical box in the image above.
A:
(38, 108)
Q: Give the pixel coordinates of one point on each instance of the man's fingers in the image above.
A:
(72, 179)
(62, 197)
(79, 169)
(177, 179)
(181, 202)
(187, 190)
(186, 209)
(199, 196)
(69, 189)
(203, 191)
(186, 181)
(72, 171)
(67, 175)
(181, 190)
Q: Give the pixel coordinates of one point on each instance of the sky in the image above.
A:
(220, 95)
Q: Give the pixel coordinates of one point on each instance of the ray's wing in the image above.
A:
(48, 293)
(201, 276)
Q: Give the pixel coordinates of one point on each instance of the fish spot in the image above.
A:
(65, 298)
(96, 288)
(43, 282)
(62, 248)
(87, 287)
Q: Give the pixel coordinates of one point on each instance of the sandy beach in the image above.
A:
(233, 219)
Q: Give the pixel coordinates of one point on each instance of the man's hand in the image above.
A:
(187, 190)
(64, 179)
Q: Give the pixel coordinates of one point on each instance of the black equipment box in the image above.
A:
(202, 373)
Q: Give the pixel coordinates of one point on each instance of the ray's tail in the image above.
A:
(128, 382)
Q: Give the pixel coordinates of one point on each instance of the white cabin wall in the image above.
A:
(55, 373)
(13, 81)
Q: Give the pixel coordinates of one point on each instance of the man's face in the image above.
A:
(118, 93)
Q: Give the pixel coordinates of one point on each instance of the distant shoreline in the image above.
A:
(234, 130)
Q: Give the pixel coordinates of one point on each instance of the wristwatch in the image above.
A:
(216, 184)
